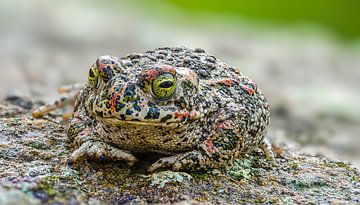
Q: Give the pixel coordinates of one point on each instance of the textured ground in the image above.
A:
(33, 170)
(312, 84)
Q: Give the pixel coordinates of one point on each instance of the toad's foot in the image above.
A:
(163, 163)
(98, 151)
(186, 161)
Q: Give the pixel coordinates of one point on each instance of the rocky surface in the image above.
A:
(34, 170)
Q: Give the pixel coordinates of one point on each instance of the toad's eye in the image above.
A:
(164, 86)
(93, 76)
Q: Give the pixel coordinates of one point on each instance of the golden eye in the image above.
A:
(93, 76)
(164, 86)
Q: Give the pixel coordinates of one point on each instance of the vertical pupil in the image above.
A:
(166, 84)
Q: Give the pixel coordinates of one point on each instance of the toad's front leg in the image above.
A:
(90, 147)
(98, 150)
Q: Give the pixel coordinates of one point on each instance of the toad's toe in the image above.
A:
(165, 163)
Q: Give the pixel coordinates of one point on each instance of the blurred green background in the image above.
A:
(341, 19)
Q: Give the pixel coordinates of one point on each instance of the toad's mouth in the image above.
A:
(116, 122)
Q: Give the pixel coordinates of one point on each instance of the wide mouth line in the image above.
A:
(118, 121)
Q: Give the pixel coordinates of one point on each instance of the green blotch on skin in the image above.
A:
(342, 164)
(355, 179)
